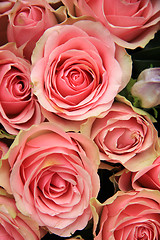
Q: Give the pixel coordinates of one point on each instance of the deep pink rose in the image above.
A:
(28, 21)
(132, 215)
(77, 70)
(19, 109)
(132, 23)
(125, 136)
(148, 177)
(14, 225)
(53, 177)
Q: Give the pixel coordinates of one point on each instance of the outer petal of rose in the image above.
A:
(138, 110)
(143, 159)
(22, 224)
(6, 6)
(76, 238)
(94, 156)
(96, 208)
(4, 175)
(31, 114)
(126, 64)
(67, 125)
(70, 6)
(140, 41)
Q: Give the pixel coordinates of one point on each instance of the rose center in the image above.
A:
(28, 15)
(143, 233)
(57, 182)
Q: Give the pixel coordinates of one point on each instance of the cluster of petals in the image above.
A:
(130, 215)
(13, 224)
(78, 70)
(53, 177)
(124, 135)
(33, 17)
(132, 23)
(19, 108)
(148, 177)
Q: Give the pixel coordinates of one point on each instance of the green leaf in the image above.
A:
(4, 134)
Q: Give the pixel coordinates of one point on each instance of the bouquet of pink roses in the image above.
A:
(79, 117)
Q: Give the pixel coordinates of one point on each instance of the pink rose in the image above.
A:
(15, 226)
(125, 135)
(19, 109)
(77, 71)
(148, 177)
(28, 21)
(132, 215)
(53, 177)
(132, 23)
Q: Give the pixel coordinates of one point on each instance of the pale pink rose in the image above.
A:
(78, 70)
(14, 225)
(19, 109)
(28, 21)
(54, 176)
(131, 215)
(147, 87)
(132, 23)
(125, 136)
(148, 177)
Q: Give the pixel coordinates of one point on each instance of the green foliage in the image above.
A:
(126, 92)
(4, 134)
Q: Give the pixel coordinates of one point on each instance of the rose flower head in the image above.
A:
(125, 135)
(131, 215)
(27, 22)
(132, 23)
(78, 70)
(19, 108)
(54, 176)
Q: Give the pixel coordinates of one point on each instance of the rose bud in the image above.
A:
(147, 87)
